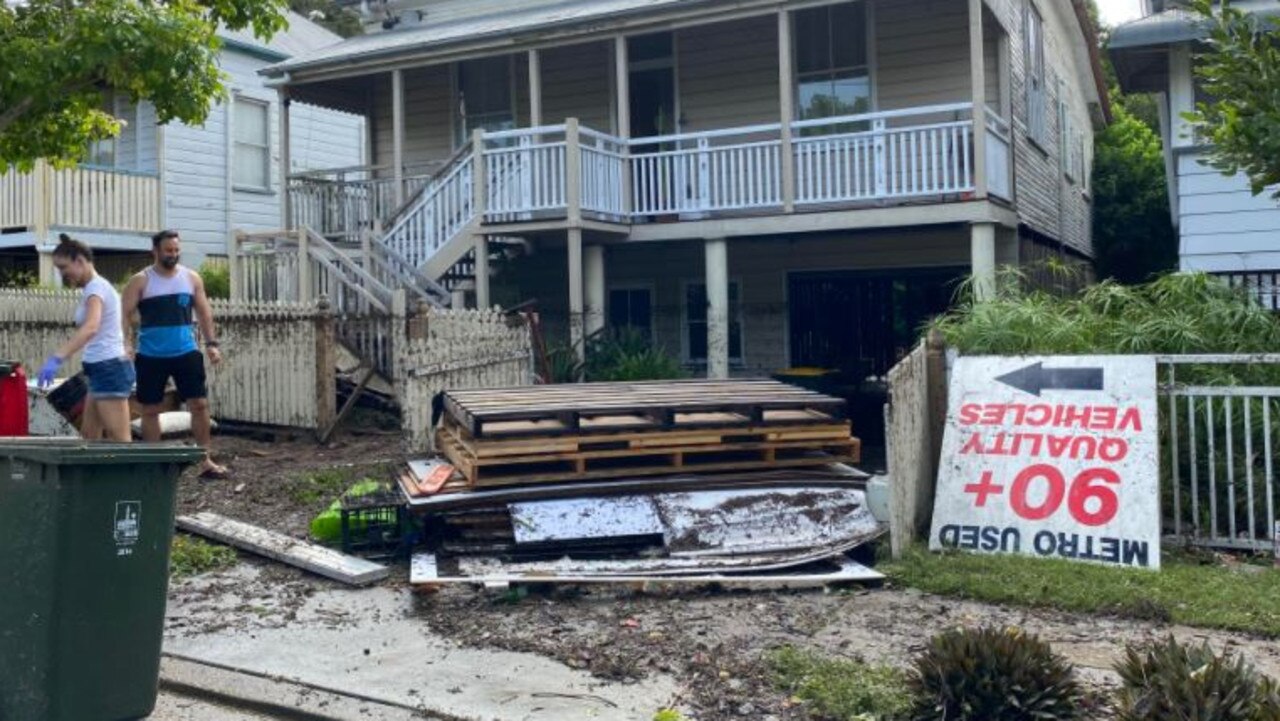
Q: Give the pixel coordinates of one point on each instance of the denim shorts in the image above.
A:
(110, 378)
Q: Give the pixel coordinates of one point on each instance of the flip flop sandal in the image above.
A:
(213, 474)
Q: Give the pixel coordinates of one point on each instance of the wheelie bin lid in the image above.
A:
(77, 451)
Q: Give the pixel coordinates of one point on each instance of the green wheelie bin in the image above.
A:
(85, 530)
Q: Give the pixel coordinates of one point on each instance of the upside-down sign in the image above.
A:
(1054, 457)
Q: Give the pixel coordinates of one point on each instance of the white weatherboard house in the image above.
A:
(753, 184)
(207, 182)
(1222, 227)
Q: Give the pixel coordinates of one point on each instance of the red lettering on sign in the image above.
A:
(1058, 445)
(1085, 447)
(982, 489)
(1087, 487)
(1104, 418)
(1039, 415)
(1053, 499)
(1131, 419)
(974, 445)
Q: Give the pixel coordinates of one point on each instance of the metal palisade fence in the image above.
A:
(1220, 430)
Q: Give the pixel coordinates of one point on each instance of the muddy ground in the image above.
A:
(714, 640)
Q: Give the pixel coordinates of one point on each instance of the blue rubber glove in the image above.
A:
(48, 370)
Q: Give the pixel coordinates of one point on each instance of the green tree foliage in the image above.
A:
(1133, 235)
(329, 14)
(1240, 70)
(59, 59)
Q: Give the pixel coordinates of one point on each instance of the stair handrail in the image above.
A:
(409, 276)
(429, 193)
(463, 151)
(345, 266)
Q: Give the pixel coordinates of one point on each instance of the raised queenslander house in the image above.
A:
(1223, 228)
(208, 181)
(752, 184)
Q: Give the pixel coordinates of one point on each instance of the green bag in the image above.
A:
(327, 527)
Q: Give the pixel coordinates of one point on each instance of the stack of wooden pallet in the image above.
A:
(567, 433)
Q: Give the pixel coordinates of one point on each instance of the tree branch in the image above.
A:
(10, 116)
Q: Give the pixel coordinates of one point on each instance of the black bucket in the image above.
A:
(69, 397)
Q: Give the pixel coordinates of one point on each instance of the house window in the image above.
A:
(251, 164)
(101, 153)
(1034, 51)
(832, 74)
(484, 96)
(632, 308)
(695, 321)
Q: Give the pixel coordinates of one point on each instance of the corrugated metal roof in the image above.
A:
(301, 37)
(1177, 25)
(506, 22)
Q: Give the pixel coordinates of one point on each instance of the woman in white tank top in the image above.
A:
(99, 332)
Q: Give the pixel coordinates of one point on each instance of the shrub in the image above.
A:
(613, 355)
(989, 674)
(626, 354)
(1175, 313)
(562, 365)
(841, 688)
(1166, 680)
(17, 278)
(217, 279)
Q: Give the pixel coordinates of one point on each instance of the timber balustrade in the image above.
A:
(81, 197)
(569, 172)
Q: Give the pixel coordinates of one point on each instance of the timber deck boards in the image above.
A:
(592, 407)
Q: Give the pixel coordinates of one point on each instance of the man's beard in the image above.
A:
(169, 263)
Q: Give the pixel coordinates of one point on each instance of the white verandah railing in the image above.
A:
(347, 201)
(525, 174)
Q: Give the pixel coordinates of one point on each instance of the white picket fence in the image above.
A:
(458, 349)
(278, 359)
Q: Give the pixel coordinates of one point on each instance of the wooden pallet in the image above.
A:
(489, 447)
(631, 462)
(588, 407)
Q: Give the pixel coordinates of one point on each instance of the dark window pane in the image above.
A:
(848, 30)
(812, 40)
(619, 308)
(697, 341)
(649, 47)
(696, 302)
(641, 310)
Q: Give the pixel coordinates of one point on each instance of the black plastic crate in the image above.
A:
(375, 524)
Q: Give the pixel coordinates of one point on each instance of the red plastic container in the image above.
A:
(14, 410)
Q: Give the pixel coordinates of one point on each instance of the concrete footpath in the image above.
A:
(236, 635)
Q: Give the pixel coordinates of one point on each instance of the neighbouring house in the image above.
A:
(754, 185)
(207, 182)
(1222, 227)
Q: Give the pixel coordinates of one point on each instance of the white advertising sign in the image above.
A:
(1053, 456)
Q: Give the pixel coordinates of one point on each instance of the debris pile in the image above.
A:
(674, 480)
